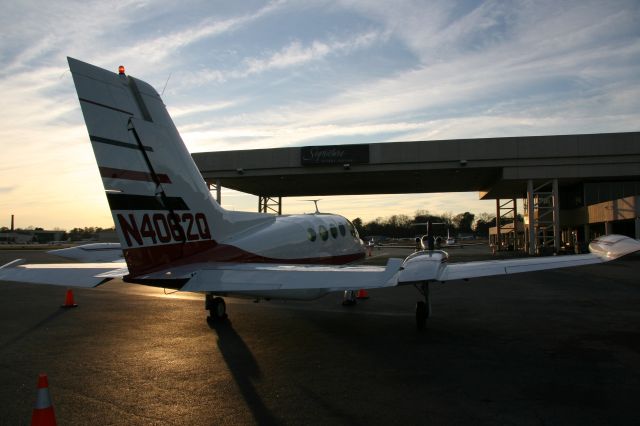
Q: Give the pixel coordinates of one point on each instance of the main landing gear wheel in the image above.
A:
(349, 298)
(216, 307)
(423, 309)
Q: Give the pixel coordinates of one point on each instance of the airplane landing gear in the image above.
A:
(216, 307)
(349, 298)
(423, 309)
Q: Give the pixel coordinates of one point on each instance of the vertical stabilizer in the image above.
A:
(161, 206)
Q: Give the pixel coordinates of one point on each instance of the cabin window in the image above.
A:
(324, 234)
(311, 234)
(334, 231)
(342, 229)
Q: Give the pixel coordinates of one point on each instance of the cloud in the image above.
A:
(578, 75)
(295, 54)
(158, 49)
(192, 109)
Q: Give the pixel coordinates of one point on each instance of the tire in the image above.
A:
(218, 309)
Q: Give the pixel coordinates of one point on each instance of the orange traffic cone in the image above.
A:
(362, 294)
(68, 301)
(43, 414)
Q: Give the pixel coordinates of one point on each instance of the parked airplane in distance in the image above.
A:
(173, 234)
(450, 240)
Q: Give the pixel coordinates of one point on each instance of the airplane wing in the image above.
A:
(258, 277)
(63, 274)
(434, 266)
(261, 277)
(465, 270)
(219, 278)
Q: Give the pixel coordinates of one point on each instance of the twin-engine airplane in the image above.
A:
(174, 235)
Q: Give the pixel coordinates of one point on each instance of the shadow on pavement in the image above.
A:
(33, 328)
(243, 368)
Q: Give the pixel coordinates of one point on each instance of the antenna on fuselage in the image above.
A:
(316, 204)
(165, 84)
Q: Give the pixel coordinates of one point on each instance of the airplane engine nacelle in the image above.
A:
(613, 246)
(423, 266)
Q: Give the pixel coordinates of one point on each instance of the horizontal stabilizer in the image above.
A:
(94, 252)
(63, 274)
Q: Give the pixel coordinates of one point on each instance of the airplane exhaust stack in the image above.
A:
(43, 414)
(68, 301)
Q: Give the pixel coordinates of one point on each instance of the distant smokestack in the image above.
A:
(11, 223)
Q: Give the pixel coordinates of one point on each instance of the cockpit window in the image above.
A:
(324, 234)
(342, 229)
(311, 234)
(352, 230)
(334, 230)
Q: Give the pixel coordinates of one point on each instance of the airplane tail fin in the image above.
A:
(161, 206)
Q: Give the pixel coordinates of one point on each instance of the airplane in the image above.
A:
(173, 234)
(429, 241)
(450, 240)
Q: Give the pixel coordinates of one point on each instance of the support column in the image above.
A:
(556, 216)
(516, 233)
(637, 203)
(587, 233)
(530, 213)
(498, 227)
(506, 227)
(270, 205)
(218, 188)
(544, 211)
(608, 228)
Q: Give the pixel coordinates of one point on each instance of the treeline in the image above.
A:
(86, 233)
(395, 226)
(404, 226)
(75, 234)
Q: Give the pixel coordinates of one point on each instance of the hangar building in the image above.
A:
(574, 187)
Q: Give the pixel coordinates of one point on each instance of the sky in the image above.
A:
(267, 74)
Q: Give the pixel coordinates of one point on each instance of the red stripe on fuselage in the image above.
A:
(109, 172)
(146, 260)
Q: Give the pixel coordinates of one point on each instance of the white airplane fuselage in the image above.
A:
(300, 239)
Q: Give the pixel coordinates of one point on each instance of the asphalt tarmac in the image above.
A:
(554, 348)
